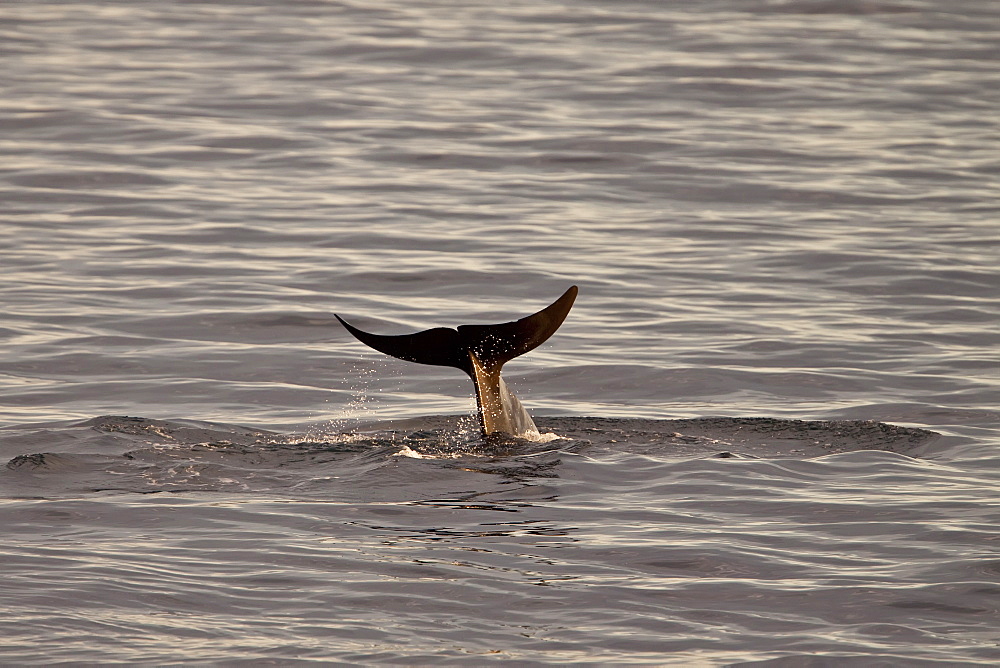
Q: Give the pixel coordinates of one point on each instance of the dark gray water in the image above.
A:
(780, 212)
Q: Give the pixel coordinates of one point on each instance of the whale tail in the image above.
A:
(480, 351)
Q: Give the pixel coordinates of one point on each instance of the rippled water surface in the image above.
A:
(770, 421)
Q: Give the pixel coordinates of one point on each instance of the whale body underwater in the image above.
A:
(157, 455)
(480, 351)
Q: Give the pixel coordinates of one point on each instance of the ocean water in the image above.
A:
(770, 422)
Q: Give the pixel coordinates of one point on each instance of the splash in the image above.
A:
(536, 437)
(407, 451)
(361, 407)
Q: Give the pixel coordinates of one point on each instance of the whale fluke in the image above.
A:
(480, 351)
